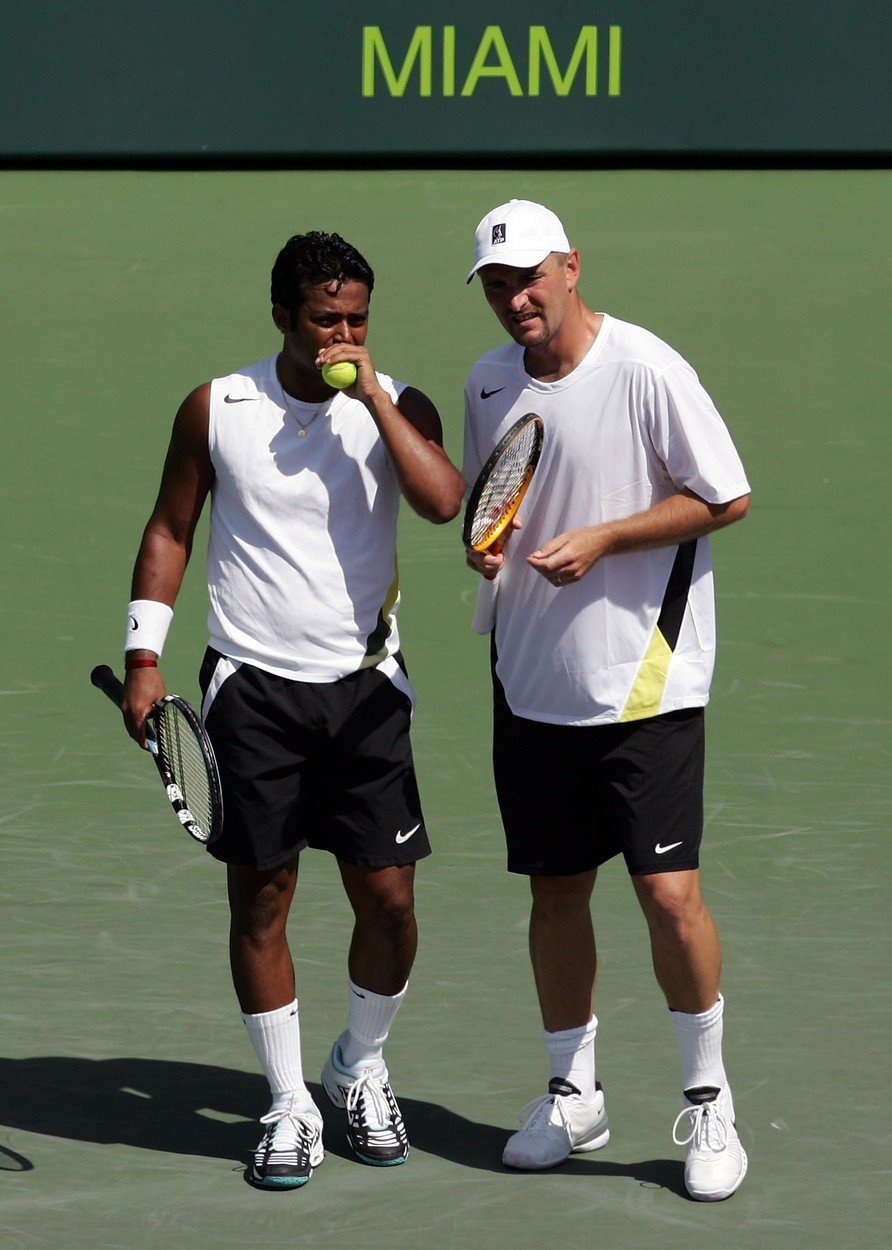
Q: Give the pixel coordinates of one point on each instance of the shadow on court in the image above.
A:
(182, 1108)
(11, 1161)
(199, 1109)
(440, 1132)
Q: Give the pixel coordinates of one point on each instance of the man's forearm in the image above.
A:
(678, 519)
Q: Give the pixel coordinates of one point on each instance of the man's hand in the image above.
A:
(366, 387)
(488, 563)
(568, 557)
(677, 519)
(143, 687)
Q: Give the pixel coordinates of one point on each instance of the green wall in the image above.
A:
(281, 78)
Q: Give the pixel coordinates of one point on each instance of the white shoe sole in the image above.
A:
(595, 1144)
(521, 1164)
(721, 1195)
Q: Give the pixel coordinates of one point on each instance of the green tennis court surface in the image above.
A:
(128, 1089)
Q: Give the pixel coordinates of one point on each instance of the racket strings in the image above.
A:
(182, 752)
(505, 483)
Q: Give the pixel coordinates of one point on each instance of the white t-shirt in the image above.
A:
(301, 564)
(629, 427)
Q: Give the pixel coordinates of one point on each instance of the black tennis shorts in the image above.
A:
(320, 764)
(572, 797)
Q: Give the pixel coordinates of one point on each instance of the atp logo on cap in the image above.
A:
(498, 233)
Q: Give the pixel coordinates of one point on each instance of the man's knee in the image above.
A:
(385, 901)
(392, 911)
(259, 902)
(671, 899)
(554, 897)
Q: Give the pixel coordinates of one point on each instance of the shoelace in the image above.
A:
(709, 1128)
(532, 1118)
(301, 1130)
(368, 1086)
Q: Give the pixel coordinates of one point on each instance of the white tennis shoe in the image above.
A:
(716, 1161)
(556, 1125)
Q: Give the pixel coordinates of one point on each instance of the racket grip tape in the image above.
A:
(104, 679)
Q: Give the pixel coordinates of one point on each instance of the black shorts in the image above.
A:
(572, 797)
(320, 764)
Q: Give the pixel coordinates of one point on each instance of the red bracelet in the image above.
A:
(138, 663)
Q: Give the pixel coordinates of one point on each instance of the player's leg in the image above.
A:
(571, 1116)
(551, 838)
(263, 976)
(687, 962)
(385, 931)
(260, 959)
(687, 957)
(261, 776)
(665, 809)
(376, 830)
(561, 921)
(382, 951)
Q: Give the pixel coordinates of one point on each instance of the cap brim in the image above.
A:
(514, 260)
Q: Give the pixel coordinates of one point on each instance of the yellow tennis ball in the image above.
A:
(340, 374)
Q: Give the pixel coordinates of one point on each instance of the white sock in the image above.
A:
(572, 1054)
(369, 1019)
(276, 1039)
(700, 1039)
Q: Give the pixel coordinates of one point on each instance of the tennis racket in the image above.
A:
(183, 753)
(501, 485)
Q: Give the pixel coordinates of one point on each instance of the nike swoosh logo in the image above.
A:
(404, 837)
(134, 624)
(661, 850)
(240, 399)
(485, 394)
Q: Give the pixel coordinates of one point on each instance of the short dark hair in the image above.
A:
(314, 258)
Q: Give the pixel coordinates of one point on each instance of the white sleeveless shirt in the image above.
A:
(301, 565)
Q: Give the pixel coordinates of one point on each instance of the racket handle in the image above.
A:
(104, 679)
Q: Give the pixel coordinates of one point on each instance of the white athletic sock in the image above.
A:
(276, 1039)
(700, 1039)
(369, 1019)
(572, 1054)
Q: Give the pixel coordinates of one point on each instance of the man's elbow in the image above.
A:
(740, 507)
(446, 503)
(733, 511)
(444, 510)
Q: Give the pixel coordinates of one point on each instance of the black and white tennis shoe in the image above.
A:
(375, 1129)
(289, 1149)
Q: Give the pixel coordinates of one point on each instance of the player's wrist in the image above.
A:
(139, 659)
(148, 621)
(378, 401)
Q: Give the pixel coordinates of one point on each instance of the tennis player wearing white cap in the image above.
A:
(601, 612)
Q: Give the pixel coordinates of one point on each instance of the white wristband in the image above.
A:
(147, 624)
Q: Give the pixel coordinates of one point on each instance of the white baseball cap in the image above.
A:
(519, 233)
